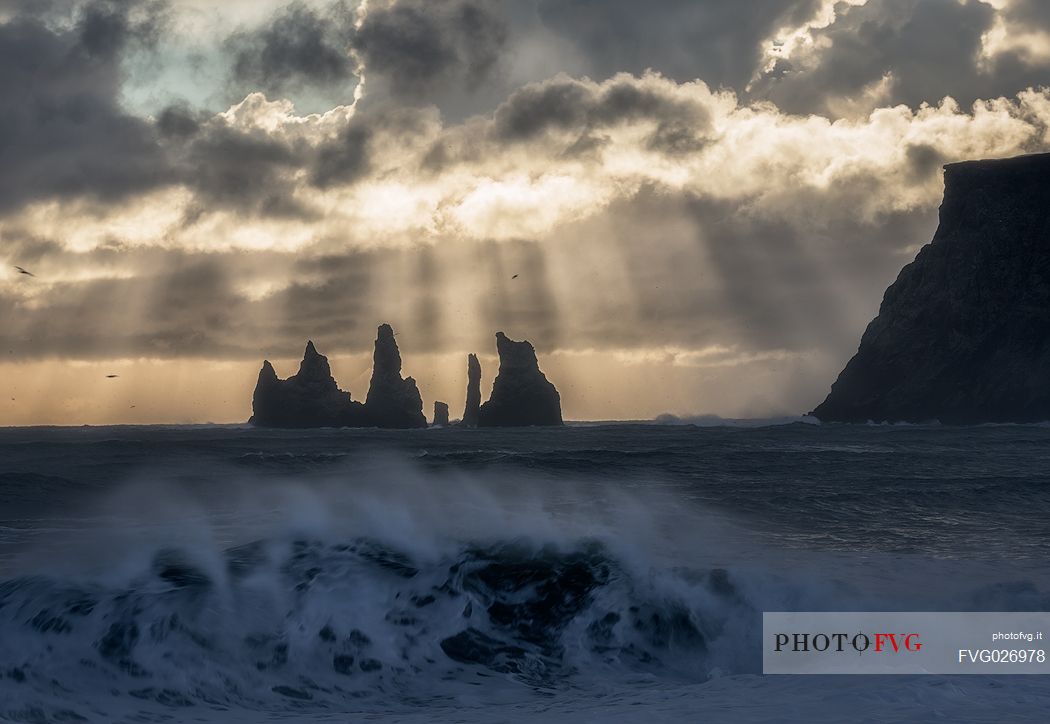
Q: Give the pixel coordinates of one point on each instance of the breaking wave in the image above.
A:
(402, 588)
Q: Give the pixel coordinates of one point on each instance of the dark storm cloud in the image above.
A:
(344, 160)
(414, 45)
(930, 48)
(247, 171)
(1029, 13)
(713, 40)
(108, 27)
(257, 173)
(568, 105)
(179, 122)
(763, 268)
(349, 157)
(923, 160)
(62, 130)
(1014, 69)
(300, 45)
(62, 11)
(562, 104)
(252, 171)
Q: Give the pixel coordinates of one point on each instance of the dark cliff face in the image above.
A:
(521, 394)
(392, 401)
(963, 335)
(309, 398)
(473, 405)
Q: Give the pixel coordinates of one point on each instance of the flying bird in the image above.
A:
(23, 271)
(109, 377)
(514, 277)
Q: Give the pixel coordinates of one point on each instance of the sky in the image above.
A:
(688, 206)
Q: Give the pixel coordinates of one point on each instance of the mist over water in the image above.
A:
(237, 574)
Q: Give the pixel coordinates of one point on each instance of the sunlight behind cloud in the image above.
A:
(536, 182)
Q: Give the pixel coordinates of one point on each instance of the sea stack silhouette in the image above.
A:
(311, 398)
(963, 334)
(392, 401)
(440, 414)
(473, 404)
(521, 394)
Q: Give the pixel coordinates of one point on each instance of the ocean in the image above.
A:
(594, 573)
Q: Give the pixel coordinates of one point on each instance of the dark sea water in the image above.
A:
(586, 574)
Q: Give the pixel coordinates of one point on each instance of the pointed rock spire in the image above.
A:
(315, 367)
(386, 360)
(521, 394)
(470, 411)
(392, 401)
(267, 374)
